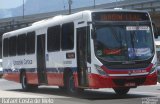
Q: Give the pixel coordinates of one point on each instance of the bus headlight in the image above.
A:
(153, 69)
(100, 70)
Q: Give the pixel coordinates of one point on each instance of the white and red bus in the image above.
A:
(86, 50)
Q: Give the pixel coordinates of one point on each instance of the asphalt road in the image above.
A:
(140, 95)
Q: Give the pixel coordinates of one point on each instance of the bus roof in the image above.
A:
(58, 19)
(117, 10)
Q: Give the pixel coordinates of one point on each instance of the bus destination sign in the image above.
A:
(121, 16)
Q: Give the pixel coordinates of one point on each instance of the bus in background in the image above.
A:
(157, 42)
(86, 50)
(158, 52)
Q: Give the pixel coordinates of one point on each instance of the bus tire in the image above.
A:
(121, 91)
(62, 88)
(25, 85)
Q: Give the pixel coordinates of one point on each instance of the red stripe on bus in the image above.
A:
(123, 71)
(32, 78)
(12, 77)
(97, 81)
(55, 79)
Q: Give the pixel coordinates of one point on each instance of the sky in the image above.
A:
(12, 8)
(6, 4)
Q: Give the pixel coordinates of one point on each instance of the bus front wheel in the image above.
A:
(25, 85)
(121, 91)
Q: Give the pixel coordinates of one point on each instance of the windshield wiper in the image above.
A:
(102, 59)
(119, 40)
(123, 46)
(133, 40)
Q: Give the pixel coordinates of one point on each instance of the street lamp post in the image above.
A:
(116, 4)
(69, 3)
(23, 8)
(94, 4)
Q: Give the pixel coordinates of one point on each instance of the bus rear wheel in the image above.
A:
(121, 91)
(25, 85)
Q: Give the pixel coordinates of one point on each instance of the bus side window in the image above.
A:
(53, 38)
(13, 46)
(67, 36)
(30, 43)
(21, 44)
(5, 47)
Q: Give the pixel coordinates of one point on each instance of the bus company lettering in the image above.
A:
(22, 62)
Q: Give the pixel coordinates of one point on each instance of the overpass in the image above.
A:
(13, 23)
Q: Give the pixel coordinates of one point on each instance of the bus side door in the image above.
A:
(82, 55)
(41, 62)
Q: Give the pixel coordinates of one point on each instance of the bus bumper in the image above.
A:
(98, 81)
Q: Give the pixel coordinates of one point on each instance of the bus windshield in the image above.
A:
(123, 42)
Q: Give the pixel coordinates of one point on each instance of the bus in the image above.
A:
(157, 43)
(90, 49)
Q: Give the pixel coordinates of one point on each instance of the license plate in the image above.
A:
(129, 84)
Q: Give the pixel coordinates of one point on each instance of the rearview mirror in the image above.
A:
(155, 30)
(93, 34)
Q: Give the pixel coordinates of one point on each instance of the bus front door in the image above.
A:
(41, 63)
(82, 56)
